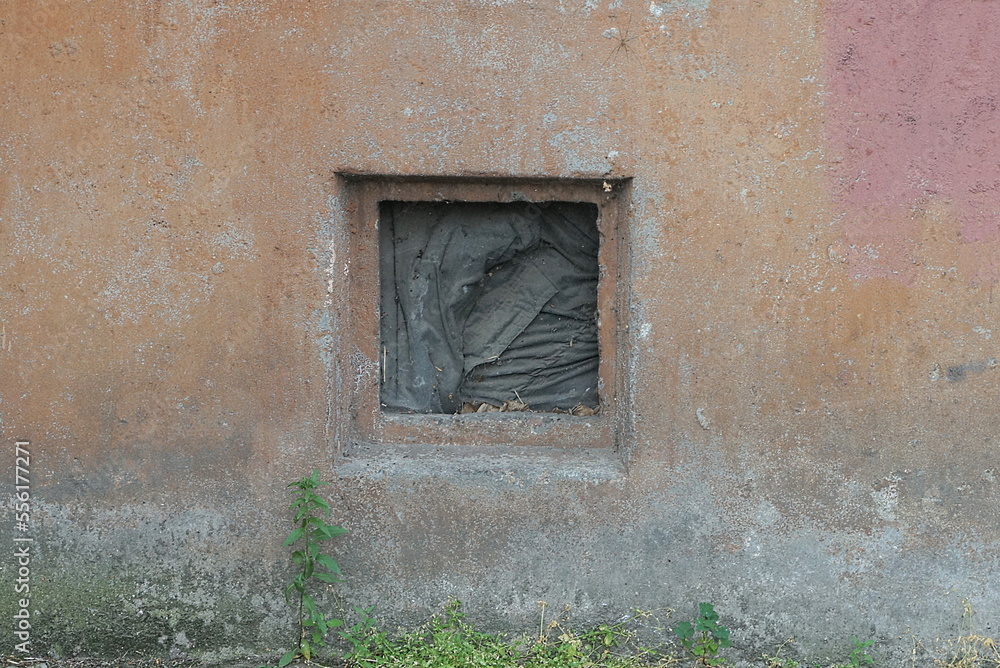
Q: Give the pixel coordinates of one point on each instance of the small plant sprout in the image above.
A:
(310, 529)
(704, 637)
(778, 661)
(859, 656)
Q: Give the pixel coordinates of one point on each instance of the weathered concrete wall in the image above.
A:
(814, 255)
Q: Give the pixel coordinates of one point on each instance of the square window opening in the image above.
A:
(489, 307)
(485, 311)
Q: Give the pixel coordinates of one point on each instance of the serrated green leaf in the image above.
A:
(330, 531)
(292, 537)
(286, 659)
(328, 563)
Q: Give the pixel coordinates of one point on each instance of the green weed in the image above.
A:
(448, 640)
(704, 637)
(859, 656)
(311, 511)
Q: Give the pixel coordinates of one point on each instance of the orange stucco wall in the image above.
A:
(812, 325)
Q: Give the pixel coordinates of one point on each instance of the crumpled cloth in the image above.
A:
(488, 302)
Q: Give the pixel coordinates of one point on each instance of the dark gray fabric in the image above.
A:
(488, 302)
